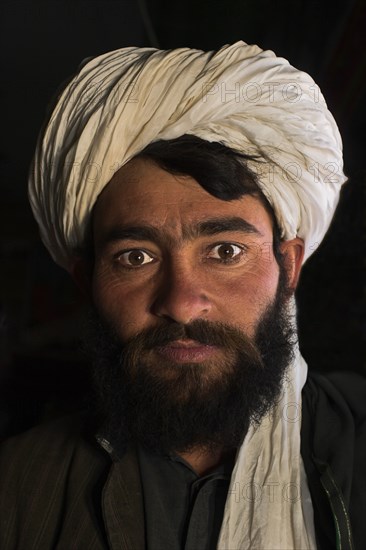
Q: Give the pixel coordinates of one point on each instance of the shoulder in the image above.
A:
(46, 439)
(45, 473)
(337, 393)
(46, 453)
(334, 410)
(333, 444)
(333, 424)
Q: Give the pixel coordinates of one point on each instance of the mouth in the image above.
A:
(186, 351)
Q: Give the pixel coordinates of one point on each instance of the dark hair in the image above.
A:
(220, 170)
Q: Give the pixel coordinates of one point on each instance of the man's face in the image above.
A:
(165, 249)
(192, 337)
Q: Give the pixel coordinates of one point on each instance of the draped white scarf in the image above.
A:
(254, 102)
(269, 505)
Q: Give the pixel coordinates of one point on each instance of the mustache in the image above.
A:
(218, 334)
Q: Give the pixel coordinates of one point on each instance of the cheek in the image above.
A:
(247, 296)
(120, 305)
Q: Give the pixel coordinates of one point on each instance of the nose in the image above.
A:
(181, 297)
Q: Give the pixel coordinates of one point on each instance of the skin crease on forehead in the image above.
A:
(192, 259)
(181, 275)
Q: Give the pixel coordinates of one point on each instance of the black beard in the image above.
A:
(169, 407)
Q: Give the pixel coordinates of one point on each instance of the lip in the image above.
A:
(186, 351)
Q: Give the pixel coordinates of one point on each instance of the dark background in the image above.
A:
(42, 372)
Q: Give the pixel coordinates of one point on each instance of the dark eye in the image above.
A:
(134, 258)
(226, 252)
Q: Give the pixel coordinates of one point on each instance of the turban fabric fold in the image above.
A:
(242, 96)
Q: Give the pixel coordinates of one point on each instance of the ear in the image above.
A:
(82, 273)
(293, 252)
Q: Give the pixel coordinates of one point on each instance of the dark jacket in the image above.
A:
(59, 489)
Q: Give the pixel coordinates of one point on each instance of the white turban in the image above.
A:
(242, 96)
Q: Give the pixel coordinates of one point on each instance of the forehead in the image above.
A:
(142, 193)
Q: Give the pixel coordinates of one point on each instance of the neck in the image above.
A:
(203, 461)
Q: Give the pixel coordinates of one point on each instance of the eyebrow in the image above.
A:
(210, 227)
(222, 225)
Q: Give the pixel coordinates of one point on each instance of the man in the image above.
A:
(183, 191)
